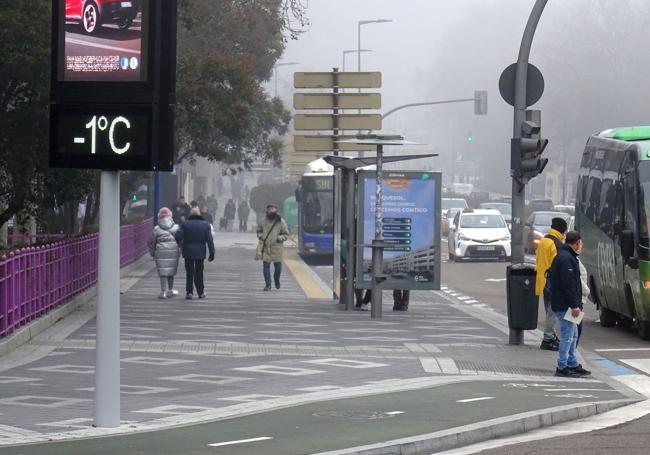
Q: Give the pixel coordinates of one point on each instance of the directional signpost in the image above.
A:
(335, 122)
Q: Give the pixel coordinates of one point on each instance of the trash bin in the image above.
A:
(522, 302)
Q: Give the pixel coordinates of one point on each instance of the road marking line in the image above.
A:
(471, 301)
(448, 366)
(448, 291)
(495, 280)
(394, 413)
(414, 347)
(101, 46)
(622, 349)
(463, 298)
(430, 347)
(241, 441)
(640, 364)
(470, 400)
(579, 390)
(429, 365)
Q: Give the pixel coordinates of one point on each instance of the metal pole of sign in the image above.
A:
(336, 285)
(351, 236)
(107, 351)
(377, 249)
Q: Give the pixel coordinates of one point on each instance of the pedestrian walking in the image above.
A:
(180, 210)
(206, 215)
(272, 232)
(229, 212)
(401, 299)
(566, 299)
(194, 236)
(546, 252)
(243, 212)
(165, 251)
(363, 299)
(213, 205)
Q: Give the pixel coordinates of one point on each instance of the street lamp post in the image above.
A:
(359, 24)
(352, 51)
(275, 73)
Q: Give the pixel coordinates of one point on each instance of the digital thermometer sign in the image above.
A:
(102, 136)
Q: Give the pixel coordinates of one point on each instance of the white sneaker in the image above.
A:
(363, 307)
(174, 292)
(163, 295)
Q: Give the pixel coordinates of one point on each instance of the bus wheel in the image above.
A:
(607, 317)
(643, 329)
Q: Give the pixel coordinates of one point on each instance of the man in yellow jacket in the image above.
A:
(546, 252)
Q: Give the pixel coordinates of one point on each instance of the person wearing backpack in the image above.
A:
(546, 252)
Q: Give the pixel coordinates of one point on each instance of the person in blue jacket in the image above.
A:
(194, 236)
(566, 293)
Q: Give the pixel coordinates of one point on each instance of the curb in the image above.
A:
(483, 431)
(27, 333)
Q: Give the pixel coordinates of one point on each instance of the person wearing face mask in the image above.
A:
(272, 232)
(165, 251)
(566, 299)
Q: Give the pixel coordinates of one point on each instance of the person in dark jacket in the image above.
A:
(566, 296)
(193, 236)
(180, 210)
(401, 299)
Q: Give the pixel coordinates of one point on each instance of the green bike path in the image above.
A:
(339, 424)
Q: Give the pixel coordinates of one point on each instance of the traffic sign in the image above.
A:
(337, 101)
(325, 143)
(344, 80)
(534, 84)
(313, 122)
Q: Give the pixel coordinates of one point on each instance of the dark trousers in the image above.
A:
(194, 275)
(401, 298)
(361, 297)
(243, 224)
(277, 271)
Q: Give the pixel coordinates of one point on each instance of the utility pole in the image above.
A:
(519, 122)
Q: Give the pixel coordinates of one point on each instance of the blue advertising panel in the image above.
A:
(410, 224)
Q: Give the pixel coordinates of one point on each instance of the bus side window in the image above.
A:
(630, 198)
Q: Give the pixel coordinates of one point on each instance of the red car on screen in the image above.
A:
(92, 14)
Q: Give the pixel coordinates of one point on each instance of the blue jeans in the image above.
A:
(566, 356)
(277, 271)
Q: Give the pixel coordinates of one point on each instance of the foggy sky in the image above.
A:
(592, 53)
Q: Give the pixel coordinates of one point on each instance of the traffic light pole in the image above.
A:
(519, 190)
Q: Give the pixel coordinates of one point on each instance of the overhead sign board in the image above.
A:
(343, 80)
(337, 101)
(325, 143)
(317, 122)
(410, 226)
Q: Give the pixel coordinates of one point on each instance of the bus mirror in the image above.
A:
(627, 244)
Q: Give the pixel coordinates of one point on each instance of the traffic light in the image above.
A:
(526, 151)
(480, 102)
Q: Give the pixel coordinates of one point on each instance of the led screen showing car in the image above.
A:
(103, 40)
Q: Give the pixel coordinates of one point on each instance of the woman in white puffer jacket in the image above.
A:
(165, 251)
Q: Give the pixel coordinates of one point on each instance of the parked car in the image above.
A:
(479, 234)
(537, 226)
(502, 207)
(447, 219)
(92, 14)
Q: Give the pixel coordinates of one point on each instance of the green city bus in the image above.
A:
(612, 212)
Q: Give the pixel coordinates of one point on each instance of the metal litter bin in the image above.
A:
(522, 302)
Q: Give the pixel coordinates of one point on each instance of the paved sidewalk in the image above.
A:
(242, 350)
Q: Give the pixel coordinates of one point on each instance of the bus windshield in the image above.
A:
(318, 211)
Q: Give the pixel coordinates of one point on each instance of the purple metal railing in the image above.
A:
(35, 280)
